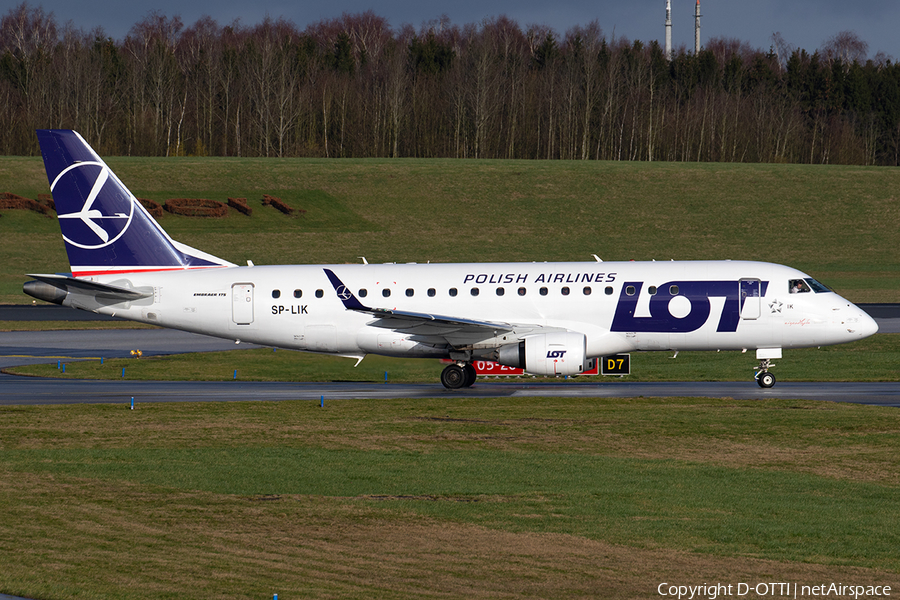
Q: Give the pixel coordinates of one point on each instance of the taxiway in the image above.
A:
(28, 347)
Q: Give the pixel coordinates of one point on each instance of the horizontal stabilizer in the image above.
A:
(55, 288)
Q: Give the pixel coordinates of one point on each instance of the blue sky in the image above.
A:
(805, 24)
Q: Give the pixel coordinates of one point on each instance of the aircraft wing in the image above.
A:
(418, 323)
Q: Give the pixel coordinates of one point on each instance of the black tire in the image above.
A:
(471, 375)
(453, 377)
(765, 380)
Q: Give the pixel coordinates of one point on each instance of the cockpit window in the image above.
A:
(816, 286)
(805, 286)
(798, 286)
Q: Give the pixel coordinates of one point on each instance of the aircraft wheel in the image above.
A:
(765, 379)
(453, 377)
(471, 375)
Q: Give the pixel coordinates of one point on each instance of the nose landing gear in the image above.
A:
(763, 378)
(458, 376)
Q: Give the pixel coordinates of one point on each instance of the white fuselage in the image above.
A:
(617, 306)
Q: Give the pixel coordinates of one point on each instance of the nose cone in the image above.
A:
(866, 326)
(856, 322)
(850, 323)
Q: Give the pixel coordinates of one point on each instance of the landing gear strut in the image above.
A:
(458, 376)
(763, 377)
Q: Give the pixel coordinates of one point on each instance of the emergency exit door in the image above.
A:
(242, 303)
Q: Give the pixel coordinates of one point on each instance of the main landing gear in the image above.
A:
(763, 378)
(458, 376)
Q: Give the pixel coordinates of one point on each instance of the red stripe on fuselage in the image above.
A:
(77, 273)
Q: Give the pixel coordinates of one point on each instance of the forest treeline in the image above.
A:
(355, 87)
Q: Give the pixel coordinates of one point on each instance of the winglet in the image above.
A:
(343, 292)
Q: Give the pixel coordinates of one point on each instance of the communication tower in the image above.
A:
(697, 28)
(668, 29)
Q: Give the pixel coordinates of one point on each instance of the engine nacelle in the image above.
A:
(557, 353)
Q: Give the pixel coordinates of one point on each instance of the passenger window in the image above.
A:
(565, 291)
(500, 291)
(298, 293)
(386, 292)
(410, 292)
(673, 290)
(543, 291)
(474, 291)
(363, 293)
(522, 291)
(608, 291)
(452, 292)
(652, 290)
(629, 291)
(431, 292)
(798, 286)
(319, 293)
(587, 290)
(276, 293)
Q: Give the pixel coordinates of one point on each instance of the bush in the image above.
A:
(12, 201)
(277, 203)
(196, 207)
(47, 200)
(240, 205)
(155, 210)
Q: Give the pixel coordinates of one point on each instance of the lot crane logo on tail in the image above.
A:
(94, 224)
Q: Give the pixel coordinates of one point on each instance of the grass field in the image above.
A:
(466, 498)
(838, 223)
(449, 498)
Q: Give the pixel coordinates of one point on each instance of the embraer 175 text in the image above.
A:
(546, 318)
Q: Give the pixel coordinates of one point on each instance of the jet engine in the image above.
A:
(556, 353)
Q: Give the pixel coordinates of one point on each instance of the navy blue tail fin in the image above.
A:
(105, 228)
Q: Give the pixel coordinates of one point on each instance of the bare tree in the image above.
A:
(28, 35)
(156, 77)
(845, 47)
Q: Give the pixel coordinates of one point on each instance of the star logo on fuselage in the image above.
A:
(775, 306)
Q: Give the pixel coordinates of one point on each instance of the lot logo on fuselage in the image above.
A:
(690, 302)
(91, 228)
(343, 293)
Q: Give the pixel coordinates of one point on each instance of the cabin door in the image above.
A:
(750, 298)
(242, 303)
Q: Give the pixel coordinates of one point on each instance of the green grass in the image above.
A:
(836, 222)
(465, 498)
(444, 497)
(873, 359)
(620, 500)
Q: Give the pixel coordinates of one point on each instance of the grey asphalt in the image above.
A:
(32, 347)
(35, 391)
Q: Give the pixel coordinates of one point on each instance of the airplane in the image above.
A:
(550, 319)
